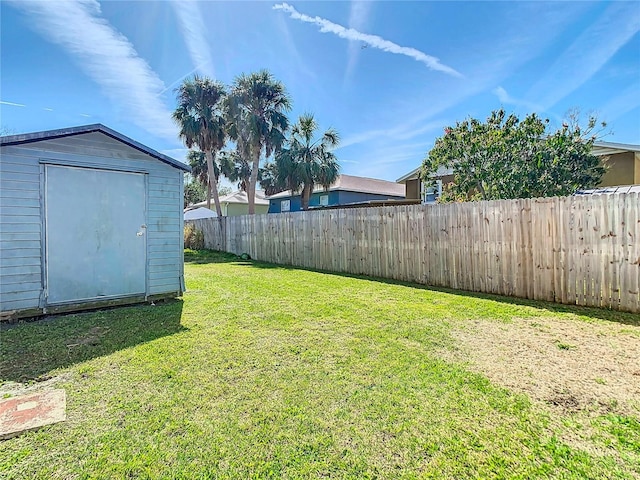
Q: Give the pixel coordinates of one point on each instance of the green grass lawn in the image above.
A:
(270, 372)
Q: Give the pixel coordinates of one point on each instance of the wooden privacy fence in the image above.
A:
(581, 250)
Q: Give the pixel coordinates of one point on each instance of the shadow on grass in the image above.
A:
(208, 256)
(29, 350)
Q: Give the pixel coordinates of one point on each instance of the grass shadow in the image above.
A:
(29, 350)
(209, 256)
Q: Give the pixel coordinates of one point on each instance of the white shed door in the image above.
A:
(95, 234)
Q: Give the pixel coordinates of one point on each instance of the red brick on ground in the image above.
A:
(26, 412)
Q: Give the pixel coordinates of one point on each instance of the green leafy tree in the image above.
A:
(257, 121)
(201, 118)
(225, 190)
(505, 157)
(194, 191)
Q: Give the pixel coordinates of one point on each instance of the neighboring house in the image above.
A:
(622, 161)
(89, 218)
(419, 190)
(347, 190)
(236, 204)
(198, 214)
(610, 190)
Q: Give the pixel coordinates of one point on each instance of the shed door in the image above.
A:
(95, 234)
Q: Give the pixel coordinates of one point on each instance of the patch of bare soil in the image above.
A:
(12, 389)
(577, 370)
(91, 337)
(568, 364)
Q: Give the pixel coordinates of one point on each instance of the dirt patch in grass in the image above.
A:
(91, 337)
(13, 389)
(568, 364)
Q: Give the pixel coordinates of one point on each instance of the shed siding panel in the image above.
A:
(7, 186)
(17, 304)
(20, 215)
(20, 224)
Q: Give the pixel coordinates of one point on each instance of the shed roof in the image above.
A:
(96, 127)
(352, 183)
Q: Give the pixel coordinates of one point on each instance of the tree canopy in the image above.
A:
(305, 161)
(194, 191)
(201, 119)
(251, 114)
(505, 157)
(257, 121)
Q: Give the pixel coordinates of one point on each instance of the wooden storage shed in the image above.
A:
(88, 218)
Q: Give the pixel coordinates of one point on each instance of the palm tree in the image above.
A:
(275, 177)
(200, 116)
(198, 164)
(200, 171)
(309, 162)
(236, 168)
(257, 121)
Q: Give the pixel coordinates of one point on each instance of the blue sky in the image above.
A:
(389, 76)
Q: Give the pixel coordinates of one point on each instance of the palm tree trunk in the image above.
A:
(208, 193)
(253, 180)
(213, 184)
(306, 196)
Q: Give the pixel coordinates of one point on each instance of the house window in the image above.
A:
(285, 205)
(324, 199)
(430, 194)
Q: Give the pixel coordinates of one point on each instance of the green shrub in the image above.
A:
(193, 238)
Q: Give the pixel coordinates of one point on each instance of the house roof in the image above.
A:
(599, 149)
(238, 197)
(352, 183)
(413, 174)
(611, 148)
(610, 190)
(96, 127)
(198, 213)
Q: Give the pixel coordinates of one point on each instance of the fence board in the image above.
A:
(577, 250)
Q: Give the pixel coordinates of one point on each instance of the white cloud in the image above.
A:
(195, 35)
(507, 99)
(523, 41)
(401, 132)
(293, 53)
(107, 57)
(374, 41)
(624, 102)
(12, 104)
(390, 162)
(588, 53)
(177, 153)
(358, 18)
(178, 80)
